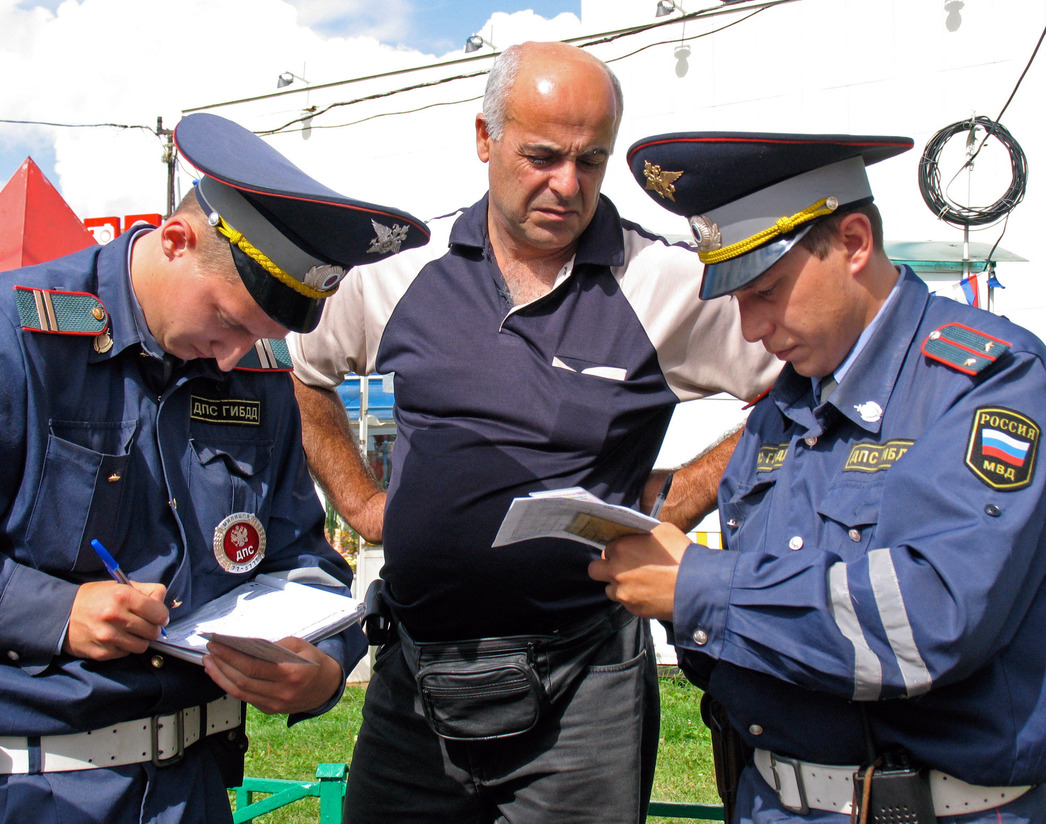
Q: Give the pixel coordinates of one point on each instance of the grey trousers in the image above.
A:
(590, 758)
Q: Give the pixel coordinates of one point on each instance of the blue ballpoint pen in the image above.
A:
(114, 568)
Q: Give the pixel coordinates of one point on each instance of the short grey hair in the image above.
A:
(499, 83)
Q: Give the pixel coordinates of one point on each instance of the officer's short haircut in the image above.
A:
(818, 241)
(213, 250)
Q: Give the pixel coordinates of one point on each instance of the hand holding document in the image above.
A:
(572, 513)
(259, 612)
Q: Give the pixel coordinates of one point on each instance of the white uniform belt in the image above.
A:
(160, 739)
(803, 786)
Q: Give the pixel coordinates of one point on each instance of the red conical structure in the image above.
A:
(36, 224)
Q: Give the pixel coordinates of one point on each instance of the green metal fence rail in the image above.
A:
(329, 787)
(679, 809)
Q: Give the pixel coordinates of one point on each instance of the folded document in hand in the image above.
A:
(572, 513)
(259, 612)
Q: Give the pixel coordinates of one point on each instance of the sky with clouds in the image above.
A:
(103, 71)
(87, 80)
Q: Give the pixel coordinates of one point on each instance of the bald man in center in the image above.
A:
(539, 342)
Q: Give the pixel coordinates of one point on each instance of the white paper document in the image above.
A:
(571, 513)
(259, 612)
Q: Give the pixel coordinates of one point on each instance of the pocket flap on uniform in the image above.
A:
(853, 504)
(243, 458)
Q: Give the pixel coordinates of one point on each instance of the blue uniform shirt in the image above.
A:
(886, 547)
(94, 445)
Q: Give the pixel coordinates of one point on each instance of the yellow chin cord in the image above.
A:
(255, 254)
(781, 227)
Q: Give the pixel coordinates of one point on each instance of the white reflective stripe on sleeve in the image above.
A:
(868, 672)
(894, 616)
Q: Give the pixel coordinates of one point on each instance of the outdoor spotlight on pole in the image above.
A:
(665, 7)
(475, 43)
(287, 78)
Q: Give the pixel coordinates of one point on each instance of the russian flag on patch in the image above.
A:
(999, 445)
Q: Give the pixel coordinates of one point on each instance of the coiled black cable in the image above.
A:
(930, 174)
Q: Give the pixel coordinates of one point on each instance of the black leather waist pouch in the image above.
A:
(487, 688)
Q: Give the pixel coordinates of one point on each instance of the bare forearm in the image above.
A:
(336, 462)
(696, 483)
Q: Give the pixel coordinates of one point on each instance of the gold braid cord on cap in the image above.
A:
(255, 254)
(783, 226)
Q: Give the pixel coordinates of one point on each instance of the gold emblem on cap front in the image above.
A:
(660, 181)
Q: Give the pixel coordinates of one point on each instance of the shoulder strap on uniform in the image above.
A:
(267, 356)
(60, 313)
(758, 398)
(963, 348)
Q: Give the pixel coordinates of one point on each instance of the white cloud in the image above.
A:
(130, 62)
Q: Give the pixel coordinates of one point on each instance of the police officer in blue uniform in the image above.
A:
(879, 605)
(146, 405)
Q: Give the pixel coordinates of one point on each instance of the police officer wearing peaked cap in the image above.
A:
(879, 603)
(145, 404)
(292, 238)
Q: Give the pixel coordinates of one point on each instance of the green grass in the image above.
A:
(684, 768)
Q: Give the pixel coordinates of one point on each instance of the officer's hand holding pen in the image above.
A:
(111, 619)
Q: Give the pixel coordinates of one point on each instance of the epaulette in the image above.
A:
(61, 313)
(963, 348)
(758, 398)
(267, 356)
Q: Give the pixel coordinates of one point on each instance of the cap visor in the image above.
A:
(730, 275)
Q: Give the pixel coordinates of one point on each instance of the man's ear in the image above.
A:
(858, 239)
(177, 237)
(483, 138)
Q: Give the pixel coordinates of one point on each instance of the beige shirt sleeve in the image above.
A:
(699, 342)
(347, 337)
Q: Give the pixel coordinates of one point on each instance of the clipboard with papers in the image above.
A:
(572, 513)
(256, 614)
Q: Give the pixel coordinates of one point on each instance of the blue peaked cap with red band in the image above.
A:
(292, 238)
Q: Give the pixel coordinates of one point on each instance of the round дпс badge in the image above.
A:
(239, 542)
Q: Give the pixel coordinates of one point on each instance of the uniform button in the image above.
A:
(157, 661)
(795, 543)
(700, 637)
(12, 655)
(98, 313)
(993, 510)
(113, 478)
(732, 522)
(755, 729)
(855, 535)
(174, 503)
(810, 441)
